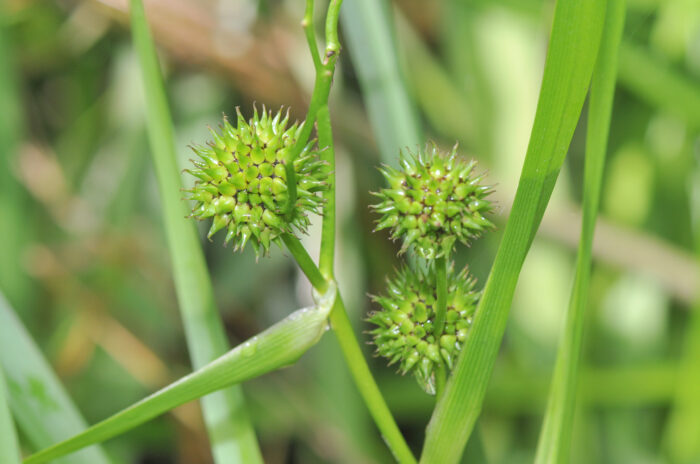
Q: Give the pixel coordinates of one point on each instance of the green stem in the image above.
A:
(319, 98)
(318, 111)
(353, 356)
(332, 42)
(325, 141)
(441, 303)
(305, 262)
(366, 385)
(308, 24)
(440, 380)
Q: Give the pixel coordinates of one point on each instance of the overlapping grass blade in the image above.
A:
(41, 408)
(555, 438)
(232, 436)
(368, 28)
(571, 57)
(9, 447)
(279, 346)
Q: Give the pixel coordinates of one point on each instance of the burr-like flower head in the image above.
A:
(433, 201)
(242, 181)
(404, 331)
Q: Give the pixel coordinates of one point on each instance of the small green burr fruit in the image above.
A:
(404, 325)
(242, 181)
(433, 201)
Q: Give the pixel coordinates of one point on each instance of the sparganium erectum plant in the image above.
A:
(433, 202)
(242, 180)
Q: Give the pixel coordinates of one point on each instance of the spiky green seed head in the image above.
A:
(404, 325)
(242, 181)
(435, 200)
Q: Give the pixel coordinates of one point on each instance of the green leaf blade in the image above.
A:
(279, 346)
(555, 438)
(573, 48)
(232, 435)
(41, 407)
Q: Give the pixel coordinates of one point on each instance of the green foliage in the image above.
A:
(234, 441)
(279, 346)
(41, 407)
(85, 265)
(570, 59)
(555, 439)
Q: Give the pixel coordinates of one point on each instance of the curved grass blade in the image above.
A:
(230, 431)
(41, 408)
(555, 438)
(573, 47)
(279, 346)
(9, 447)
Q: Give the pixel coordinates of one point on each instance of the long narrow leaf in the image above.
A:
(42, 409)
(232, 435)
(279, 346)
(555, 438)
(571, 57)
(367, 25)
(9, 447)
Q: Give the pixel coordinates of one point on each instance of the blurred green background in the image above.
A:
(84, 262)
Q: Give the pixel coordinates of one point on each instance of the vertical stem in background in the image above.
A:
(555, 438)
(571, 56)
(368, 30)
(231, 434)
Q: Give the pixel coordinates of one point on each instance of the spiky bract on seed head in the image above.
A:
(242, 180)
(404, 331)
(433, 201)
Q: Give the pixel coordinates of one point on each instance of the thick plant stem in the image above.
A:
(301, 256)
(319, 97)
(325, 141)
(340, 323)
(366, 385)
(441, 302)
